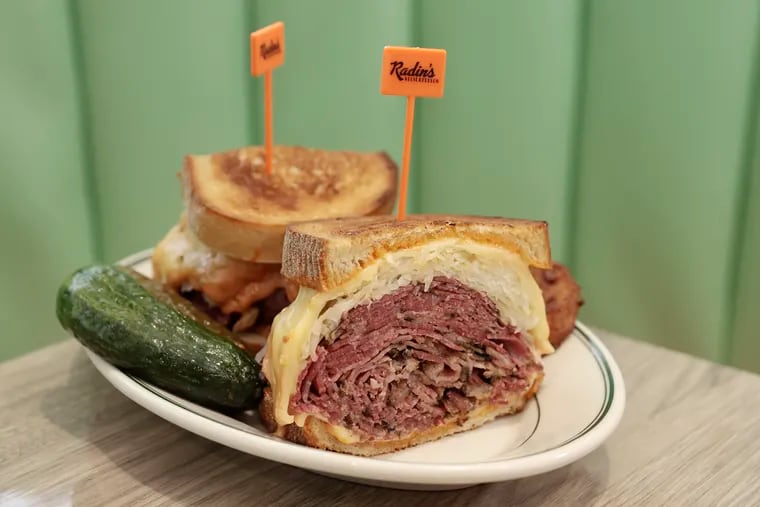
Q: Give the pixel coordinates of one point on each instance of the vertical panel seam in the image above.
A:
(85, 132)
(739, 231)
(250, 19)
(575, 155)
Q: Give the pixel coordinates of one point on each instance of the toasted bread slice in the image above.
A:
(316, 433)
(324, 254)
(236, 208)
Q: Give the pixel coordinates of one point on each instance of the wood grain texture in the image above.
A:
(689, 437)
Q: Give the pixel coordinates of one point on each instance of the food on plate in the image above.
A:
(563, 300)
(224, 255)
(132, 323)
(404, 332)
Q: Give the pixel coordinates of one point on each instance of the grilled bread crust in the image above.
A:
(236, 208)
(324, 254)
(316, 433)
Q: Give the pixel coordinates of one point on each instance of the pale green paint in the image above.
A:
(745, 340)
(328, 94)
(666, 109)
(44, 230)
(499, 142)
(626, 125)
(163, 79)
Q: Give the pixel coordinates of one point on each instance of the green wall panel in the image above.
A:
(43, 208)
(327, 94)
(668, 90)
(745, 342)
(628, 125)
(499, 141)
(163, 79)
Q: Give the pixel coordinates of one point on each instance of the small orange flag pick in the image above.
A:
(412, 72)
(268, 53)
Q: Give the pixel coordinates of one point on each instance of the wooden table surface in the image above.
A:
(690, 436)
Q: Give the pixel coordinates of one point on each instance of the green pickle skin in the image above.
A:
(134, 324)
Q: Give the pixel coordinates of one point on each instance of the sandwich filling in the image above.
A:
(413, 359)
(242, 296)
(417, 337)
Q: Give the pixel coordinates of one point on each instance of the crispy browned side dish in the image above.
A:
(563, 300)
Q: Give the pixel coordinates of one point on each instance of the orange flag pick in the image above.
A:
(412, 72)
(268, 53)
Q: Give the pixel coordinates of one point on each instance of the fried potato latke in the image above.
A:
(563, 300)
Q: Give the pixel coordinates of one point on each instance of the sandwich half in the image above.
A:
(225, 252)
(403, 332)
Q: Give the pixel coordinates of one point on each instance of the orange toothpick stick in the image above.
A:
(408, 129)
(268, 135)
(268, 53)
(412, 72)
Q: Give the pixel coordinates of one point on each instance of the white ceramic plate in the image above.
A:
(579, 404)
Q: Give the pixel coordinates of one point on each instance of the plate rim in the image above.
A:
(317, 460)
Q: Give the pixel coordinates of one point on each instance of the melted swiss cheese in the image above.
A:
(298, 329)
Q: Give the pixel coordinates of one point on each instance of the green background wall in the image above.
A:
(630, 126)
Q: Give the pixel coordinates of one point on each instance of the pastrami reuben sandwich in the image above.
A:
(225, 253)
(404, 332)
